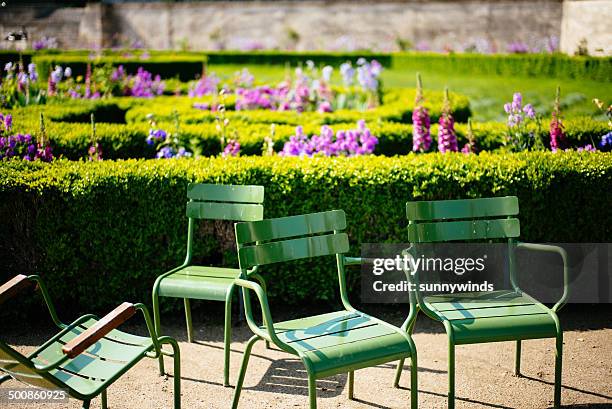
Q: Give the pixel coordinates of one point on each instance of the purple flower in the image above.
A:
(529, 111)
(68, 72)
(587, 148)
(421, 137)
(348, 72)
(155, 136)
(207, 85)
(231, 149)
(32, 72)
(166, 152)
(326, 73)
(8, 122)
(606, 142)
(517, 101)
(447, 139)
(56, 74)
(358, 141)
(325, 106)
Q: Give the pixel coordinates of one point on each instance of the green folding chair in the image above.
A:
(86, 356)
(328, 344)
(211, 202)
(471, 318)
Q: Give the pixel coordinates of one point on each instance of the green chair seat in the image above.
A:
(198, 282)
(100, 364)
(493, 316)
(334, 341)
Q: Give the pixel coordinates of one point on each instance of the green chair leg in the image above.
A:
(103, 397)
(414, 381)
(558, 369)
(400, 366)
(176, 354)
(157, 323)
(243, 368)
(517, 363)
(312, 391)
(398, 373)
(451, 374)
(227, 335)
(351, 384)
(86, 404)
(188, 319)
(4, 378)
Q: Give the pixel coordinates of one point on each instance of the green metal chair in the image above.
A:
(86, 356)
(471, 318)
(212, 202)
(328, 344)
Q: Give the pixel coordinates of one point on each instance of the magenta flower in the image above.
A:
(557, 136)
(231, 149)
(447, 139)
(421, 137)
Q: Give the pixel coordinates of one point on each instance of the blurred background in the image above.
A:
(478, 26)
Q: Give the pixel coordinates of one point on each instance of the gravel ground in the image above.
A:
(484, 376)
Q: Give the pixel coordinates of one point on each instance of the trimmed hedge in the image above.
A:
(397, 106)
(101, 232)
(188, 64)
(184, 66)
(521, 65)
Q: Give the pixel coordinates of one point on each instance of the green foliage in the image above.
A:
(188, 64)
(101, 232)
(522, 65)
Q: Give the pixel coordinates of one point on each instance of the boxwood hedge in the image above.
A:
(188, 64)
(100, 232)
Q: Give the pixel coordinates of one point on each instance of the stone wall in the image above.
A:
(306, 25)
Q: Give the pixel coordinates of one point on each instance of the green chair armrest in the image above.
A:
(561, 252)
(270, 333)
(351, 261)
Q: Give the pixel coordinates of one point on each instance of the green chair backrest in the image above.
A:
(19, 367)
(462, 220)
(291, 238)
(225, 202)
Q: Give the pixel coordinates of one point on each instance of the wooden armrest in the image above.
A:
(90, 336)
(14, 286)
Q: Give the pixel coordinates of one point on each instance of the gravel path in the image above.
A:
(277, 380)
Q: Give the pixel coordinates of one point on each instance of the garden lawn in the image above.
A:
(487, 94)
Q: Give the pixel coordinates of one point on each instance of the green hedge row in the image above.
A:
(101, 232)
(397, 106)
(188, 64)
(185, 67)
(521, 65)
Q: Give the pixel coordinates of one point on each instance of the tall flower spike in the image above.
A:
(421, 137)
(557, 136)
(447, 139)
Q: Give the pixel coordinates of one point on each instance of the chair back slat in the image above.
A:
(225, 202)
(291, 226)
(293, 249)
(477, 229)
(225, 193)
(291, 238)
(16, 365)
(224, 211)
(491, 207)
